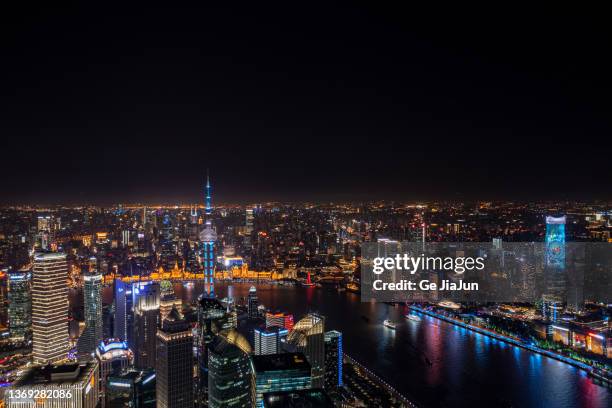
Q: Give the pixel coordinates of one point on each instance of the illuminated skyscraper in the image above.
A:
(19, 304)
(268, 341)
(333, 359)
(253, 303)
(212, 319)
(308, 337)
(248, 230)
(279, 320)
(146, 318)
(49, 308)
(113, 357)
(168, 300)
(208, 238)
(92, 301)
(231, 381)
(124, 318)
(554, 269)
(75, 385)
(280, 372)
(174, 363)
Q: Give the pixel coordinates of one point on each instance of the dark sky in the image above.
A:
(303, 101)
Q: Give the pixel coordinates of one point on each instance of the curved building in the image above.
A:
(231, 382)
(113, 356)
(308, 337)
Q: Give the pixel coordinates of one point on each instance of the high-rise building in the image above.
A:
(212, 319)
(49, 308)
(92, 301)
(248, 230)
(268, 341)
(70, 385)
(146, 320)
(124, 317)
(113, 357)
(279, 320)
(280, 372)
(333, 359)
(131, 388)
(20, 304)
(231, 381)
(168, 300)
(208, 238)
(554, 269)
(174, 367)
(253, 303)
(308, 337)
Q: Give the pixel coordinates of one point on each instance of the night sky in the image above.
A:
(106, 103)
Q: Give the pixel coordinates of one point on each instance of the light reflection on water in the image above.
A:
(467, 368)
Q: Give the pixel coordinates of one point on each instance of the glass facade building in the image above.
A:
(280, 372)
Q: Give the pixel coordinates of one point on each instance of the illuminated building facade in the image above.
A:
(77, 383)
(554, 269)
(49, 308)
(19, 304)
(124, 317)
(174, 363)
(92, 301)
(231, 381)
(308, 337)
(113, 357)
(253, 303)
(268, 341)
(333, 359)
(146, 317)
(131, 389)
(212, 319)
(279, 320)
(280, 372)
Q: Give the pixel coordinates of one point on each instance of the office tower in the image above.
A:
(20, 304)
(279, 320)
(146, 318)
(49, 308)
(174, 364)
(75, 385)
(208, 238)
(230, 376)
(3, 296)
(268, 341)
(333, 359)
(302, 398)
(308, 337)
(168, 300)
(248, 230)
(280, 372)
(92, 302)
(212, 319)
(253, 303)
(131, 388)
(126, 236)
(113, 357)
(554, 269)
(123, 322)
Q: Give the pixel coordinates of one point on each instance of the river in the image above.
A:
(465, 369)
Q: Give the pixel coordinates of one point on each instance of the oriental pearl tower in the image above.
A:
(208, 237)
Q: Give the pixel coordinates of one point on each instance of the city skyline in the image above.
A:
(323, 204)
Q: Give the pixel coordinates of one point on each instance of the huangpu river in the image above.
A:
(434, 363)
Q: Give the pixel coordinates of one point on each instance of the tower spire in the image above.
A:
(208, 211)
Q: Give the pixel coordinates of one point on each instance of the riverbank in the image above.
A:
(506, 339)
